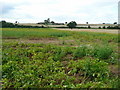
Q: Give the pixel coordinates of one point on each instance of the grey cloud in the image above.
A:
(8, 6)
(6, 9)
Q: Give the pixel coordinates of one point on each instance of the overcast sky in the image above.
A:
(81, 11)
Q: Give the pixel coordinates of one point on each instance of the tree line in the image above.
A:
(70, 25)
(5, 24)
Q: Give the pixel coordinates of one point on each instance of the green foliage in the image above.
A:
(102, 52)
(6, 24)
(80, 52)
(33, 33)
(83, 59)
(93, 68)
(89, 26)
(29, 33)
(72, 24)
(96, 69)
(104, 27)
(38, 65)
(60, 34)
(113, 27)
(11, 25)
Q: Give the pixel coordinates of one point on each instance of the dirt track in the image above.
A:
(114, 31)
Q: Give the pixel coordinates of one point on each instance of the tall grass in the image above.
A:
(48, 32)
(103, 52)
(32, 33)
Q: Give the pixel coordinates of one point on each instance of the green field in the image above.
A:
(49, 58)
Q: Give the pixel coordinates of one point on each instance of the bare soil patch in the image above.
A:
(114, 70)
(34, 40)
(9, 38)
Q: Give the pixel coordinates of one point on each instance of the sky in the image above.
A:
(81, 11)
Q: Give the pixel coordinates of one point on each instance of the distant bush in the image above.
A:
(6, 24)
(82, 27)
(72, 24)
(99, 27)
(115, 23)
(89, 26)
(11, 25)
(104, 27)
(115, 27)
(108, 27)
(42, 26)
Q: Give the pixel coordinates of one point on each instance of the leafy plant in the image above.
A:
(103, 52)
(83, 64)
(80, 52)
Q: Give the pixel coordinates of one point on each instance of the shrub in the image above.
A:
(108, 27)
(104, 27)
(93, 68)
(80, 52)
(96, 69)
(89, 26)
(114, 27)
(72, 24)
(59, 54)
(103, 52)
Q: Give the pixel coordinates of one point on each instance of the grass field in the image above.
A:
(49, 58)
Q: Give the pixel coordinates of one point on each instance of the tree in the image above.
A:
(47, 22)
(104, 27)
(89, 26)
(72, 24)
(42, 26)
(65, 22)
(3, 21)
(86, 22)
(53, 22)
(7, 24)
(16, 21)
(115, 23)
